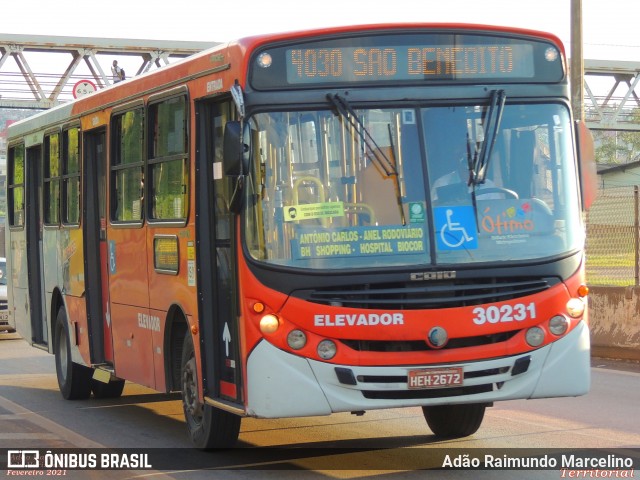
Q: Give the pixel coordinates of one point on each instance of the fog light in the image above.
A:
(534, 336)
(558, 325)
(269, 324)
(327, 349)
(296, 339)
(575, 307)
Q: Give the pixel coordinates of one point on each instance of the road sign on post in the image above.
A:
(83, 88)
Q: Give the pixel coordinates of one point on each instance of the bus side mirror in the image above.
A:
(587, 159)
(236, 149)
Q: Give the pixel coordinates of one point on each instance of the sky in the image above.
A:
(609, 26)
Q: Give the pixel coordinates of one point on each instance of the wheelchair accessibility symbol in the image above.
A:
(112, 256)
(456, 228)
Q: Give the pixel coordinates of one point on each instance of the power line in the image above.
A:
(611, 45)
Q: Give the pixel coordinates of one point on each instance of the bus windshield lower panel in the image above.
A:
(357, 188)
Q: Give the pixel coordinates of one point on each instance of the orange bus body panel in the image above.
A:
(128, 284)
(133, 349)
(77, 311)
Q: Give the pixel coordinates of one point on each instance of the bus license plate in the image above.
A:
(435, 378)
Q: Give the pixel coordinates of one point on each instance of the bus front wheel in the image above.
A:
(209, 427)
(454, 421)
(74, 379)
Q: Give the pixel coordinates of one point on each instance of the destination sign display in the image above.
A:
(318, 242)
(409, 58)
(354, 64)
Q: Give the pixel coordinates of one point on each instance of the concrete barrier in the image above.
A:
(614, 314)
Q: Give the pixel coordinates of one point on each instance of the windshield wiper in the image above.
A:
(373, 151)
(479, 164)
(492, 127)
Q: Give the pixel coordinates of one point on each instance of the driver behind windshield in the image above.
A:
(458, 178)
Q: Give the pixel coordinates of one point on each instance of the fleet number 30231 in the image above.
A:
(504, 313)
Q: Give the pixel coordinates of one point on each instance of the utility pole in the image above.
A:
(576, 69)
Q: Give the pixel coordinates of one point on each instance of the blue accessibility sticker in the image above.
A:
(456, 228)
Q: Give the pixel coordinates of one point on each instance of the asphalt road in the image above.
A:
(380, 444)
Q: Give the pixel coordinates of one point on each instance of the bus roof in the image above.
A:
(251, 42)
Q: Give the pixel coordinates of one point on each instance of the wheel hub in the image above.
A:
(190, 390)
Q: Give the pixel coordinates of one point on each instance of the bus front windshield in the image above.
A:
(359, 188)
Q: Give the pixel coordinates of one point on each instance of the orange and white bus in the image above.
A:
(305, 223)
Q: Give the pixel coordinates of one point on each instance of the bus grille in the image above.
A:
(432, 295)
(422, 346)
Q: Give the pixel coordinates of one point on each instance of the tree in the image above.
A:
(619, 146)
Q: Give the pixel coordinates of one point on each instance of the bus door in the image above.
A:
(215, 248)
(34, 228)
(95, 246)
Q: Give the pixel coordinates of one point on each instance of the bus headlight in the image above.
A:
(296, 339)
(534, 336)
(269, 324)
(575, 307)
(327, 349)
(558, 325)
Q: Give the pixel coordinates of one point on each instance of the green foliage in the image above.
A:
(618, 147)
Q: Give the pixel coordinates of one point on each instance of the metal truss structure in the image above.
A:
(617, 105)
(38, 71)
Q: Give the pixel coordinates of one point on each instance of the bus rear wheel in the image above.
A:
(74, 380)
(209, 427)
(454, 421)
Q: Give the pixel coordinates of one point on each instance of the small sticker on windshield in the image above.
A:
(416, 212)
(456, 228)
(310, 211)
(408, 117)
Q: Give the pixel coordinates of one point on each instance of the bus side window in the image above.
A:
(168, 159)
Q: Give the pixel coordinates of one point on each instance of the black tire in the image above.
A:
(454, 421)
(113, 389)
(74, 380)
(208, 427)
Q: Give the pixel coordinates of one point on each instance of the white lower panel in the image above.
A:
(285, 385)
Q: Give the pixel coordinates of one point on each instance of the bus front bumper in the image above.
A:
(284, 385)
